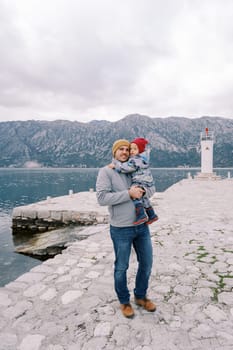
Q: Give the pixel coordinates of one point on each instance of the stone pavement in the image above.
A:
(68, 303)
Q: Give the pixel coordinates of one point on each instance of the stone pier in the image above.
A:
(69, 303)
(74, 209)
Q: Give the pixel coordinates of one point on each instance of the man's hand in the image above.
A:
(136, 192)
(111, 166)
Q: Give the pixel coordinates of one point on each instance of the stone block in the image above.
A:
(49, 294)
(4, 299)
(66, 216)
(31, 277)
(43, 214)
(8, 341)
(34, 340)
(70, 296)
(17, 310)
(102, 329)
(17, 212)
(34, 290)
(75, 215)
(216, 314)
(56, 215)
(226, 298)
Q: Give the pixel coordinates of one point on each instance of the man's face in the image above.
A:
(122, 154)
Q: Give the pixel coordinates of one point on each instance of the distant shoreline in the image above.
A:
(74, 168)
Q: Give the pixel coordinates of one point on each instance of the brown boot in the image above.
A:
(147, 304)
(127, 310)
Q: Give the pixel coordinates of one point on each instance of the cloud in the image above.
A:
(105, 59)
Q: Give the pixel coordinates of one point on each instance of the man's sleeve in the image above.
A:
(104, 192)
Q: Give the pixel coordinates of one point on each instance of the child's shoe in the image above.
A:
(152, 216)
(141, 216)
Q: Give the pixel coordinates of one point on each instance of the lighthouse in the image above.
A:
(207, 146)
(207, 150)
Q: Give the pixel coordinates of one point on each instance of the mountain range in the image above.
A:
(174, 141)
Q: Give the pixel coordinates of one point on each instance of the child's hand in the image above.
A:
(111, 166)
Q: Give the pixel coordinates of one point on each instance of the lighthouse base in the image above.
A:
(207, 176)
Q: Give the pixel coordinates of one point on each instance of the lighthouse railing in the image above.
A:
(207, 136)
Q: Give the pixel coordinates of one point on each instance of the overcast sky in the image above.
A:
(104, 59)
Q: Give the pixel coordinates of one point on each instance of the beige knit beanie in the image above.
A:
(118, 143)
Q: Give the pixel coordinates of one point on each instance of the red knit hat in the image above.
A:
(141, 143)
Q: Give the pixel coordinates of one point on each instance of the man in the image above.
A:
(114, 189)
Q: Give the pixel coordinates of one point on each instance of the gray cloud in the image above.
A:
(105, 59)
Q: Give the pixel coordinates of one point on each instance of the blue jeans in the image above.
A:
(123, 239)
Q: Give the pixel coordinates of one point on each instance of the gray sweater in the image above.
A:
(112, 190)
